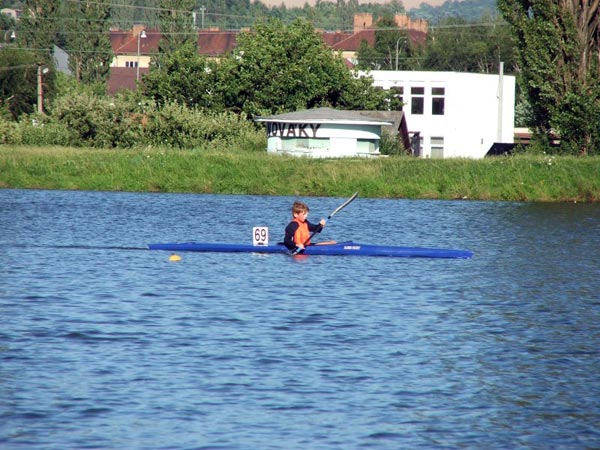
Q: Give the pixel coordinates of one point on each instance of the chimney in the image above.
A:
(362, 21)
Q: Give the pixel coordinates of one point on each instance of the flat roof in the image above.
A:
(327, 115)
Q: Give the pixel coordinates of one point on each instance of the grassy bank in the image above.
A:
(518, 178)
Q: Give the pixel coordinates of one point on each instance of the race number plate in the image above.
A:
(260, 236)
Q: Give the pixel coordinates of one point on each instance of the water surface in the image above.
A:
(104, 344)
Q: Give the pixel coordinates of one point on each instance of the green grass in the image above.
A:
(516, 178)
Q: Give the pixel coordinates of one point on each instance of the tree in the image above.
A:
(279, 68)
(176, 25)
(37, 28)
(558, 51)
(18, 78)
(456, 45)
(87, 40)
(122, 14)
(392, 50)
(8, 27)
(184, 77)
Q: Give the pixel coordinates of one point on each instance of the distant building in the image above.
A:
(132, 59)
(12, 12)
(452, 114)
(331, 133)
(134, 49)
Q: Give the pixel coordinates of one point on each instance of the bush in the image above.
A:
(391, 145)
(179, 126)
(101, 122)
(85, 119)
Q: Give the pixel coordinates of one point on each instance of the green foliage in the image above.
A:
(226, 170)
(87, 40)
(392, 49)
(391, 145)
(182, 76)
(456, 45)
(18, 81)
(38, 130)
(37, 28)
(122, 14)
(85, 119)
(469, 10)
(279, 68)
(578, 120)
(177, 126)
(558, 54)
(176, 25)
(98, 121)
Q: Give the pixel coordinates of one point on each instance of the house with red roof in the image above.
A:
(133, 49)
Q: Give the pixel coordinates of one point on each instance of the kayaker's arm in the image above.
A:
(288, 240)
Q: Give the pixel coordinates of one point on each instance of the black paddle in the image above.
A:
(335, 211)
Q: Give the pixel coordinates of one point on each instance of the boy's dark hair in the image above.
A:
(299, 207)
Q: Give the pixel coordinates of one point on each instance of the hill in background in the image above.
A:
(408, 4)
(431, 10)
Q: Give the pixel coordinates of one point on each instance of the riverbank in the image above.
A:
(516, 178)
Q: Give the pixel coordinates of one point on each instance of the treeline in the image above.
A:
(190, 101)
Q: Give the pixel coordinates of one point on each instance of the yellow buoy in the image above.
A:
(174, 258)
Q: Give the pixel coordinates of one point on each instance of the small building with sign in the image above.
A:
(331, 133)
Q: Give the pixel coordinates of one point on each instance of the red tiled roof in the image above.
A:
(350, 42)
(344, 41)
(125, 42)
(210, 43)
(216, 43)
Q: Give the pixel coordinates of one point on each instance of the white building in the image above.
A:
(452, 114)
(330, 133)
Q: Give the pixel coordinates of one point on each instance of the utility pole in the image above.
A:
(40, 88)
(202, 9)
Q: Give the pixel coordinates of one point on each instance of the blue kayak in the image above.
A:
(348, 248)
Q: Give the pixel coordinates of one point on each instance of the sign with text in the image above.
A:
(260, 236)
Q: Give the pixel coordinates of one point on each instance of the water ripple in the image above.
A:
(106, 345)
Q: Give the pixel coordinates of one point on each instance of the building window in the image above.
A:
(437, 101)
(293, 143)
(417, 100)
(131, 64)
(366, 145)
(437, 147)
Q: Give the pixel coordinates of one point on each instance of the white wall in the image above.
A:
(471, 122)
(329, 140)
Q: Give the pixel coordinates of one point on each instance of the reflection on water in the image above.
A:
(104, 344)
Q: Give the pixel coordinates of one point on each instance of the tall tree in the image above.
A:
(184, 77)
(122, 14)
(558, 44)
(37, 27)
(87, 40)
(18, 78)
(393, 48)
(456, 45)
(176, 25)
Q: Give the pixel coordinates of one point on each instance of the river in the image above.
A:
(105, 345)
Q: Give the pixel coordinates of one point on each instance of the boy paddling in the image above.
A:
(298, 231)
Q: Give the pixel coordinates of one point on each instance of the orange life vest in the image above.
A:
(302, 234)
